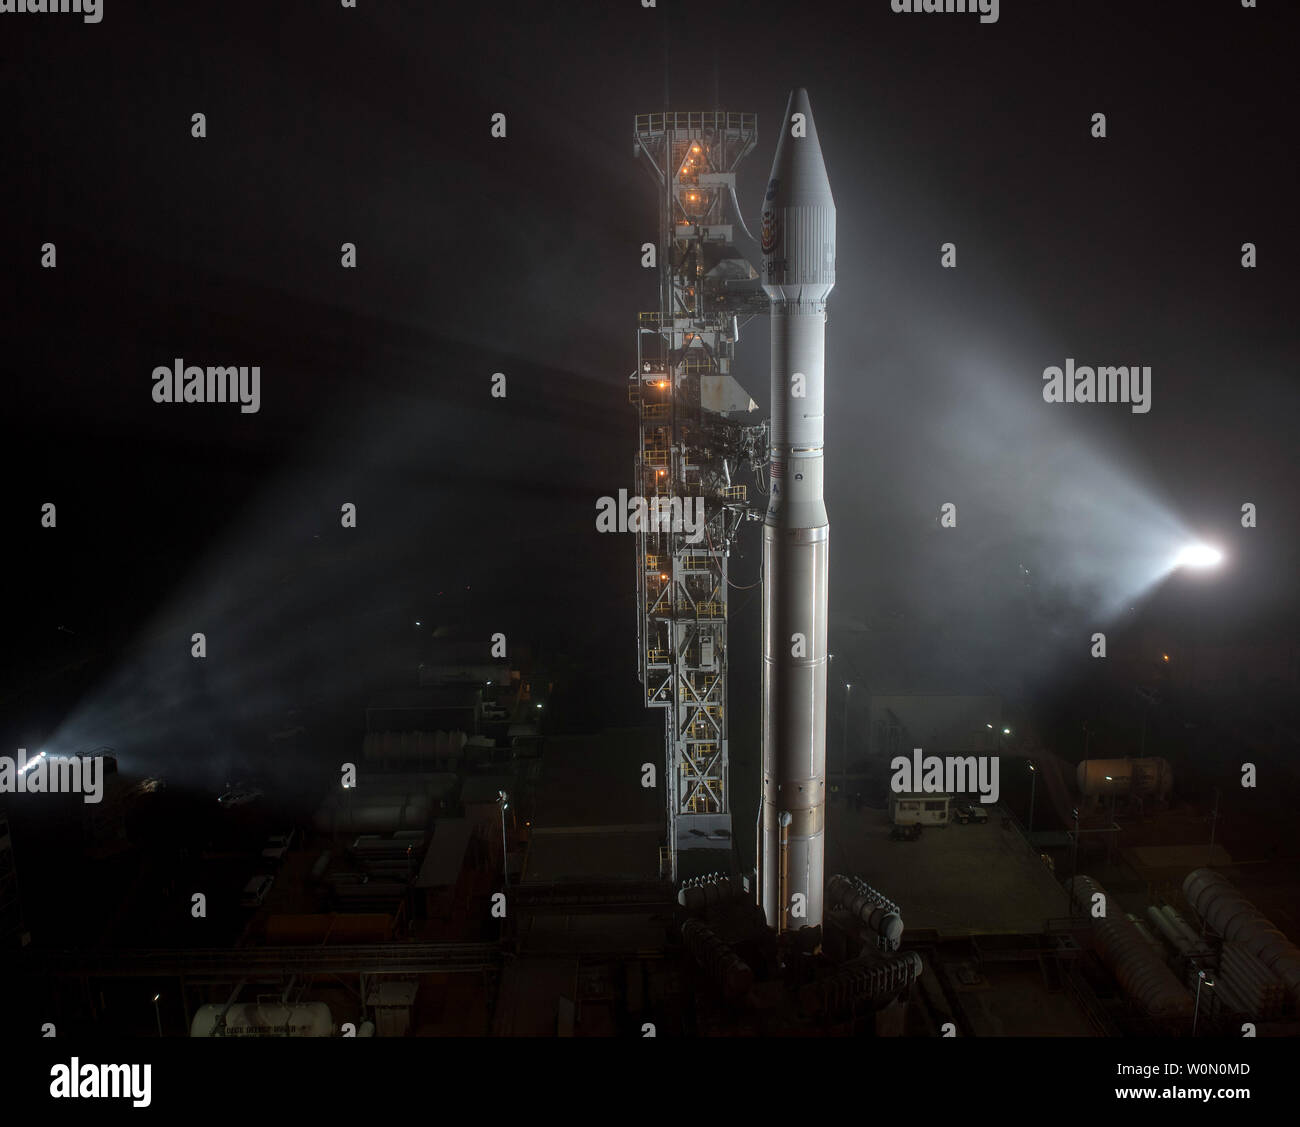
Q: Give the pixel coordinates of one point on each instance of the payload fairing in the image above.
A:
(798, 273)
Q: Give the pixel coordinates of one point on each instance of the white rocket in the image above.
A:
(798, 272)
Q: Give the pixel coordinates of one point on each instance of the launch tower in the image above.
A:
(690, 448)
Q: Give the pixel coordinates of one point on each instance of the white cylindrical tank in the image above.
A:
(1138, 777)
(254, 1019)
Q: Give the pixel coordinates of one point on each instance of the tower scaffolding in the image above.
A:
(688, 455)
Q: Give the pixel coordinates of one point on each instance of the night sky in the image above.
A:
(478, 255)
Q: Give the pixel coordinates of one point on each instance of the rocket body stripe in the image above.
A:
(798, 273)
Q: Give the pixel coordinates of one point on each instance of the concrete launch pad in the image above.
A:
(962, 880)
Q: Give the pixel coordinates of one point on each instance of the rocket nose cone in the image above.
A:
(798, 170)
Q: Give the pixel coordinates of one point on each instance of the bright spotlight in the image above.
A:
(1198, 555)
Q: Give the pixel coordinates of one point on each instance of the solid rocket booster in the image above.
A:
(798, 272)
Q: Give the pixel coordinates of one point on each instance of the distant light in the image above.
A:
(156, 997)
(489, 682)
(989, 727)
(1198, 555)
(1006, 731)
(539, 705)
(1164, 657)
(418, 624)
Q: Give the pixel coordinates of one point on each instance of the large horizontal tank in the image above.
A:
(254, 1019)
(1128, 777)
(1217, 901)
(1136, 967)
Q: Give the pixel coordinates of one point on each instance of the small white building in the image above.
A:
(919, 809)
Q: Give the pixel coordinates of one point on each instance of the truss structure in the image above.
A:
(690, 449)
